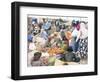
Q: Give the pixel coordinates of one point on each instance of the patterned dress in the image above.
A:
(83, 47)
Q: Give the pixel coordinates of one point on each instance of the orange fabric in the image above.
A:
(53, 51)
(68, 35)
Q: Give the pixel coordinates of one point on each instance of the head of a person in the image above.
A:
(36, 30)
(76, 24)
(37, 56)
(44, 20)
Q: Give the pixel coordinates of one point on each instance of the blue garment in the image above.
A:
(44, 35)
(30, 37)
(46, 25)
(75, 45)
(34, 20)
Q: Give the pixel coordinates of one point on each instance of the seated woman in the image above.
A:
(69, 56)
(36, 59)
(39, 60)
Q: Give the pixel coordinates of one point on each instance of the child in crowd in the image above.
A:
(39, 60)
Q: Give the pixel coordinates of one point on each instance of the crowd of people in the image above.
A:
(51, 39)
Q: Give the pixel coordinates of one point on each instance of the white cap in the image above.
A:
(33, 22)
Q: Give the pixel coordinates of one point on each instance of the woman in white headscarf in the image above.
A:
(83, 43)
